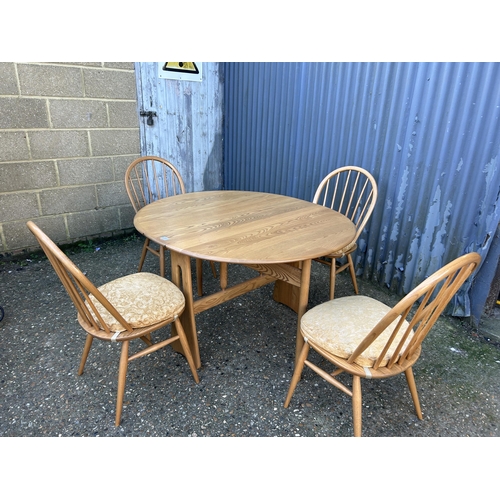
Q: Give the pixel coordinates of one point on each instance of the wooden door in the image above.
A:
(181, 119)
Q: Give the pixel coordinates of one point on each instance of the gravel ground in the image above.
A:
(247, 348)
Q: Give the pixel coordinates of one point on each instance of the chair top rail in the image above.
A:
(150, 178)
(345, 191)
(78, 286)
(436, 292)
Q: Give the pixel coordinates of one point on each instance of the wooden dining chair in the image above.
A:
(367, 339)
(128, 308)
(352, 191)
(151, 178)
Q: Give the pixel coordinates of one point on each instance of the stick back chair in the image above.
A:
(128, 308)
(151, 178)
(352, 191)
(367, 339)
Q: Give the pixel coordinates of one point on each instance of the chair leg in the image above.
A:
(187, 350)
(214, 271)
(333, 273)
(353, 274)
(356, 405)
(86, 350)
(143, 254)
(297, 373)
(147, 339)
(413, 390)
(122, 376)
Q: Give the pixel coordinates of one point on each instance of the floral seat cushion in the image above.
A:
(339, 325)
(143, 299)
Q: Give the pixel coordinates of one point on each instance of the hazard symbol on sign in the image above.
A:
(189, 71)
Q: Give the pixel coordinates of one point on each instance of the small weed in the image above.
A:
(132, 237)
(85, 246)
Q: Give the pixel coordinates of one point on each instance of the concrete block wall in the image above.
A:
(68, 131)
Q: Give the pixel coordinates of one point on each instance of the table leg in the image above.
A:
(296, 296)
(181, 276)
(305, 279)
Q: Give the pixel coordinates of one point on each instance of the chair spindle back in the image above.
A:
(151, 178)
(352, 191)
(435, 294)
(80, 289)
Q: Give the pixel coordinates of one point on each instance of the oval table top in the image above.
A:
(244, 227)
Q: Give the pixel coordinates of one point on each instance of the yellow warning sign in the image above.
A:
(190, 71)
(183, 67)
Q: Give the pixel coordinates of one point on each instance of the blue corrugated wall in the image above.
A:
(428, 132)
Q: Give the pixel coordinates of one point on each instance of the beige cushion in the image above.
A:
(338, 326)
(345, 250)
(142, 299)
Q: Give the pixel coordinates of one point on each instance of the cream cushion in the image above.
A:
(345, 250)
(143, 299)
(339, 325)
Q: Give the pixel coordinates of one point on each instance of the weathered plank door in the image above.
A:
(181, 118)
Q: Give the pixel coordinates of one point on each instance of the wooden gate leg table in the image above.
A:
(278, 236)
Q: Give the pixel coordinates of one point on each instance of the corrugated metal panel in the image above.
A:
(428, 132)
(188, 127)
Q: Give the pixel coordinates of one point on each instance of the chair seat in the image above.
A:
(338, 326)
(347, 249)
(143, 299)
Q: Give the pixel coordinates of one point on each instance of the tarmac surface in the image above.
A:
(247, 349)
